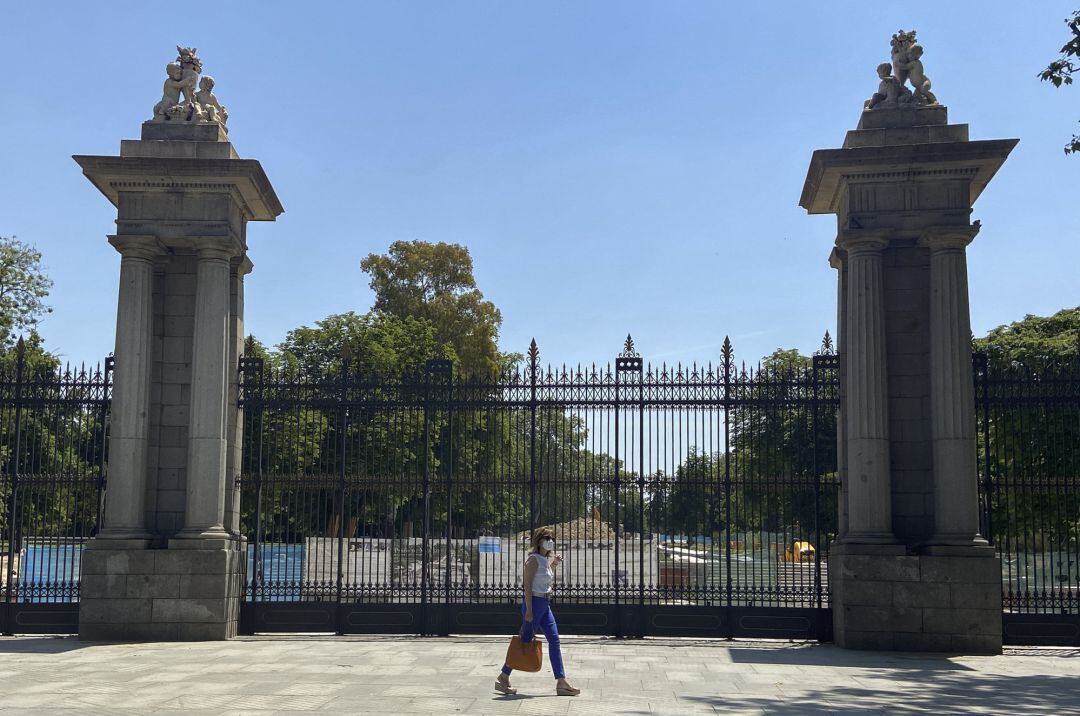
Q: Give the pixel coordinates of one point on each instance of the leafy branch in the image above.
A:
(1060, 71)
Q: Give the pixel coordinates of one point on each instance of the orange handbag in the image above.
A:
(525, 656)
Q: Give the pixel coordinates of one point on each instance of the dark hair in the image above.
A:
(538, 534)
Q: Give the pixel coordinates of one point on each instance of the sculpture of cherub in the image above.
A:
(889, 91)
(192, 67)
(170, 95)
(180, 101)
(907, 66)
(212, 110)
(920, 83)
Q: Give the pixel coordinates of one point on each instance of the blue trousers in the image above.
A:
(544, 621)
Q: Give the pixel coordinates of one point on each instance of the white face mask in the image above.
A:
(547, 545)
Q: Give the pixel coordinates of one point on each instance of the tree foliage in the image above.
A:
(1060, 71)
(1035, 341)
(435, 283)
(23, 288)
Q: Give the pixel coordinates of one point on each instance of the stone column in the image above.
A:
(952, 394)
(837, 258)
(869, 495)
(125, 498)
(205, 504)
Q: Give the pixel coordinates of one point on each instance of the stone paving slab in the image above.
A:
(386, 675)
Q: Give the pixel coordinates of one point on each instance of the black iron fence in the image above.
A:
(690, 500)
(1029, 461)
(53, 438)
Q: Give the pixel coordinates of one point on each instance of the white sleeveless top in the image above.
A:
(541, 583)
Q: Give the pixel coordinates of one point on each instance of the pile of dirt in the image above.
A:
(582, 528)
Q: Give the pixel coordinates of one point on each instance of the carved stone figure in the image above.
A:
(180, 101)
(170, 95)
(212, 110)
(889, 90)
(920, 84)
(192, 67)
(906, 66)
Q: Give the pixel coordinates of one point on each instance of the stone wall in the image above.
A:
(170, 393)
(907, 342)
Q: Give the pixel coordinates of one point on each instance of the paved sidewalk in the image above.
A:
(383, 675)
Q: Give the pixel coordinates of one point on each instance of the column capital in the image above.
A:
(242, 265)
(856, 242)
(137, 247)
(948, 238)
(216, 247)
(837, 257)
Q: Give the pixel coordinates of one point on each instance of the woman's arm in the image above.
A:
(526, 585)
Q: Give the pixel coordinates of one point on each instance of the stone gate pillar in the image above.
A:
(909, 570)
(168, 561)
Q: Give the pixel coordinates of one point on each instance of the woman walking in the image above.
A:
(536, 609)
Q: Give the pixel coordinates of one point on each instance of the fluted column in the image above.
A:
(837, 260)
(866, 400)
(125, 494)
(952, 399)
(206, 464)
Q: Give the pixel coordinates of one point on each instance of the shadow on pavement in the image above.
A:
(43, 644)
(828, 655)
(940, 692)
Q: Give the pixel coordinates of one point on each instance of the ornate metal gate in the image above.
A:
(695, 501)
(53, 439)
(1029, 461)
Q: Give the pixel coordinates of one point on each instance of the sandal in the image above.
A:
(566, 690)
(504, 687)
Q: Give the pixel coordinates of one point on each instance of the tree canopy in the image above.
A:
(1034, 341)
(23, 288)
(435, 283)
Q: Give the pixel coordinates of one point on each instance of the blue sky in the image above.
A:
(612, 166)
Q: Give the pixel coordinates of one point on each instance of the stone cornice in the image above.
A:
(244, 179)
(829, 168)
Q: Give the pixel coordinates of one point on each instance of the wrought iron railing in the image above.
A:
(1029, 460)
(699, 485)
(53, 441)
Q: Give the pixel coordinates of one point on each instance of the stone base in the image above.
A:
(903, 117)
(160, 594)
(185, 131)
(917, 602)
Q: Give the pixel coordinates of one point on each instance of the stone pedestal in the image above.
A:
(908, 569)
(161, 594)
(169, 560)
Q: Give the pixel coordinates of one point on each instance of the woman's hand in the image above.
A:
(556, 561)
(528, 615)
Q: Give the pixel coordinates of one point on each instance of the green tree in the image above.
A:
(23, 288)
(1060, 71)
(1033, 342)
(435, 283)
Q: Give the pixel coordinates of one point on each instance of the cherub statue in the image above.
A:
(212, 110)
(192, 67)
(889, 90)
(907, 65)
(170, 95)
(180, 101)
(920, 83)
